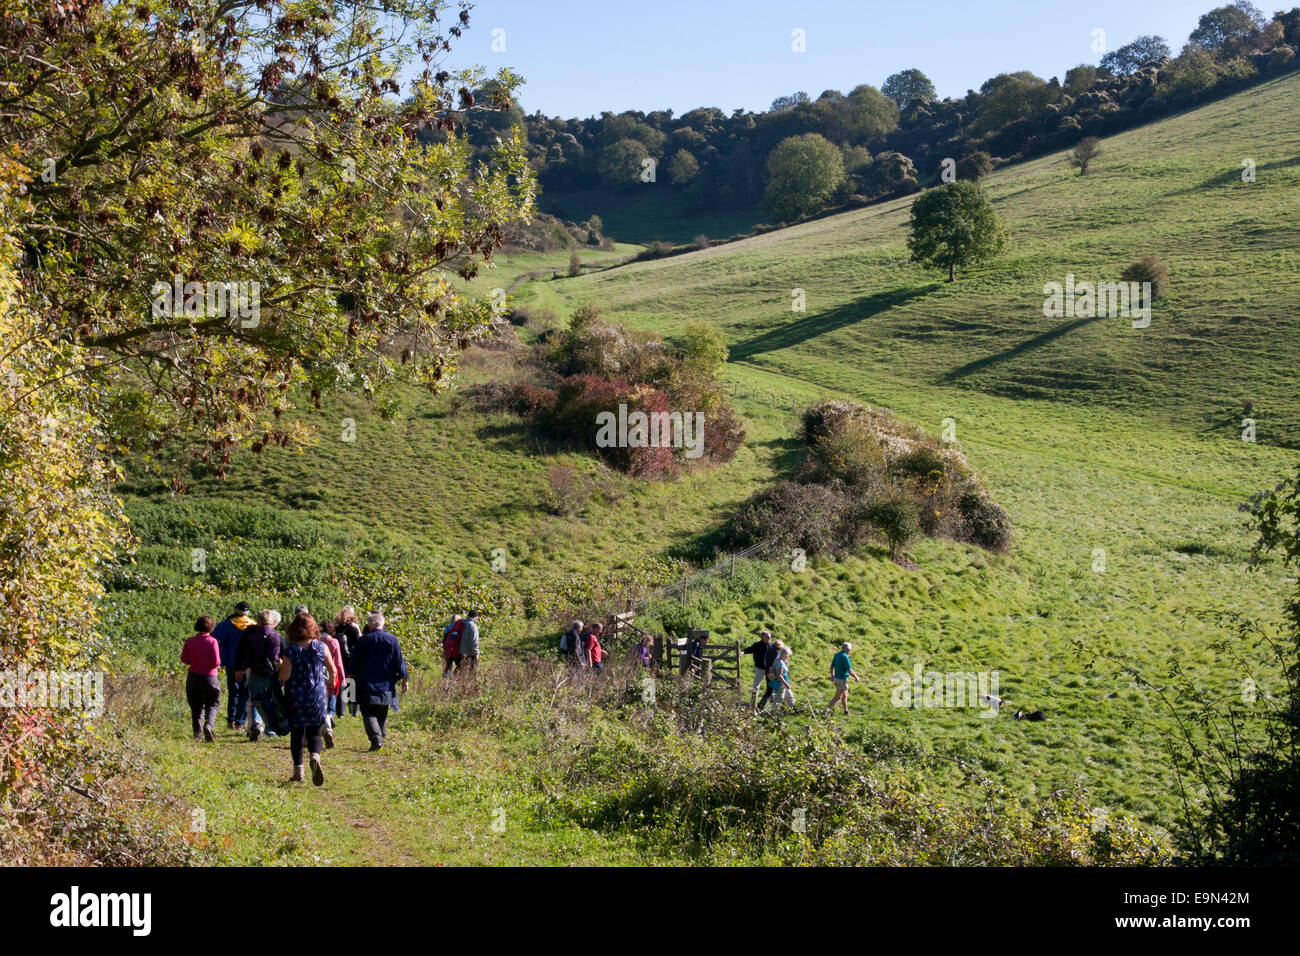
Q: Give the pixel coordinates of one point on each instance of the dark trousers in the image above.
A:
(314, 742)
(451, 662)
(203, 693)
(467, 662)
(236, 698)
(375, 716)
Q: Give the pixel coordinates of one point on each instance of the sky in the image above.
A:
(582, 57)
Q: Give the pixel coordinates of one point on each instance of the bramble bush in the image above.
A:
(866, 472)
(597, 366)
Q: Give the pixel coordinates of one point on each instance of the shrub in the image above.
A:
(702, 241)
(811, 517)
(846, 450)
(724, 433)
(975, 166)
(922, 461)
(984, 522)
(575, 264)
(898, 519)
(603, 349)
(567, 491)
(533, 401)
(1149, 269)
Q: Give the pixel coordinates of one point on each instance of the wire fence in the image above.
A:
(681, 588)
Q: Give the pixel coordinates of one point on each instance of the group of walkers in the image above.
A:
(298, 683)
(772, 672)
(460, 644)
(580, 647)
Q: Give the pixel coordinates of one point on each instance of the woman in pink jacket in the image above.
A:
(202, 655)
(595, 653)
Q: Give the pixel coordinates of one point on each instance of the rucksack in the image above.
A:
(451, 643)
(263, 665)
(564, 641)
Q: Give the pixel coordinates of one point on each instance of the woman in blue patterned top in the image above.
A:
(306, 667)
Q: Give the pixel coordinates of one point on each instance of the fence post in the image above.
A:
(733, 564)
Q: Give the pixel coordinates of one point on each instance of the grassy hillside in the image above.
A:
(1092, 434)
(1225, 333)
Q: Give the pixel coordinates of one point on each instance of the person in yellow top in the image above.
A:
(227, 634)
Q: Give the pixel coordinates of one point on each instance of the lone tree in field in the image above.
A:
(804, 172)
(1083, 154)
(955, 225)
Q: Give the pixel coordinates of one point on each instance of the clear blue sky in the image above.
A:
(581, 57)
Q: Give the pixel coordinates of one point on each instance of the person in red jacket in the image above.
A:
(595, 653)
(202, 654)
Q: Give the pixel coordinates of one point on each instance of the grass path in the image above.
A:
(457, 796)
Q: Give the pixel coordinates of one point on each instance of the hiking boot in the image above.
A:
(297, 774)
(197, 736)
(256, 732)
(375, 745)
(328, 733)
(207, 736)
(317, 775)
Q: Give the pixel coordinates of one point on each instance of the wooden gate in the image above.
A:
(719, 662)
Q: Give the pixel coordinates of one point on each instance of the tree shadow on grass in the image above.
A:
(506, 435)
(1232, 176)
(787, 454)
(789, 334)
(1044, 338)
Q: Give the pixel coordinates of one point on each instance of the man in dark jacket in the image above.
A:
(764, 653)
(256, 661)
(571, 644)
(228, 633)
(699, 641)
(377, 665)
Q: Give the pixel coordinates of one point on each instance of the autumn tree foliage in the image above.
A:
(312, 156)
(250, 141)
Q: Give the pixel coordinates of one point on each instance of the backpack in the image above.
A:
(564, 641)
(451, 643)
(264, 665)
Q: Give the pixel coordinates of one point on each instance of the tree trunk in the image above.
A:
(952, 272)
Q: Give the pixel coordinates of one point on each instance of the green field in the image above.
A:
(1092, 434)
